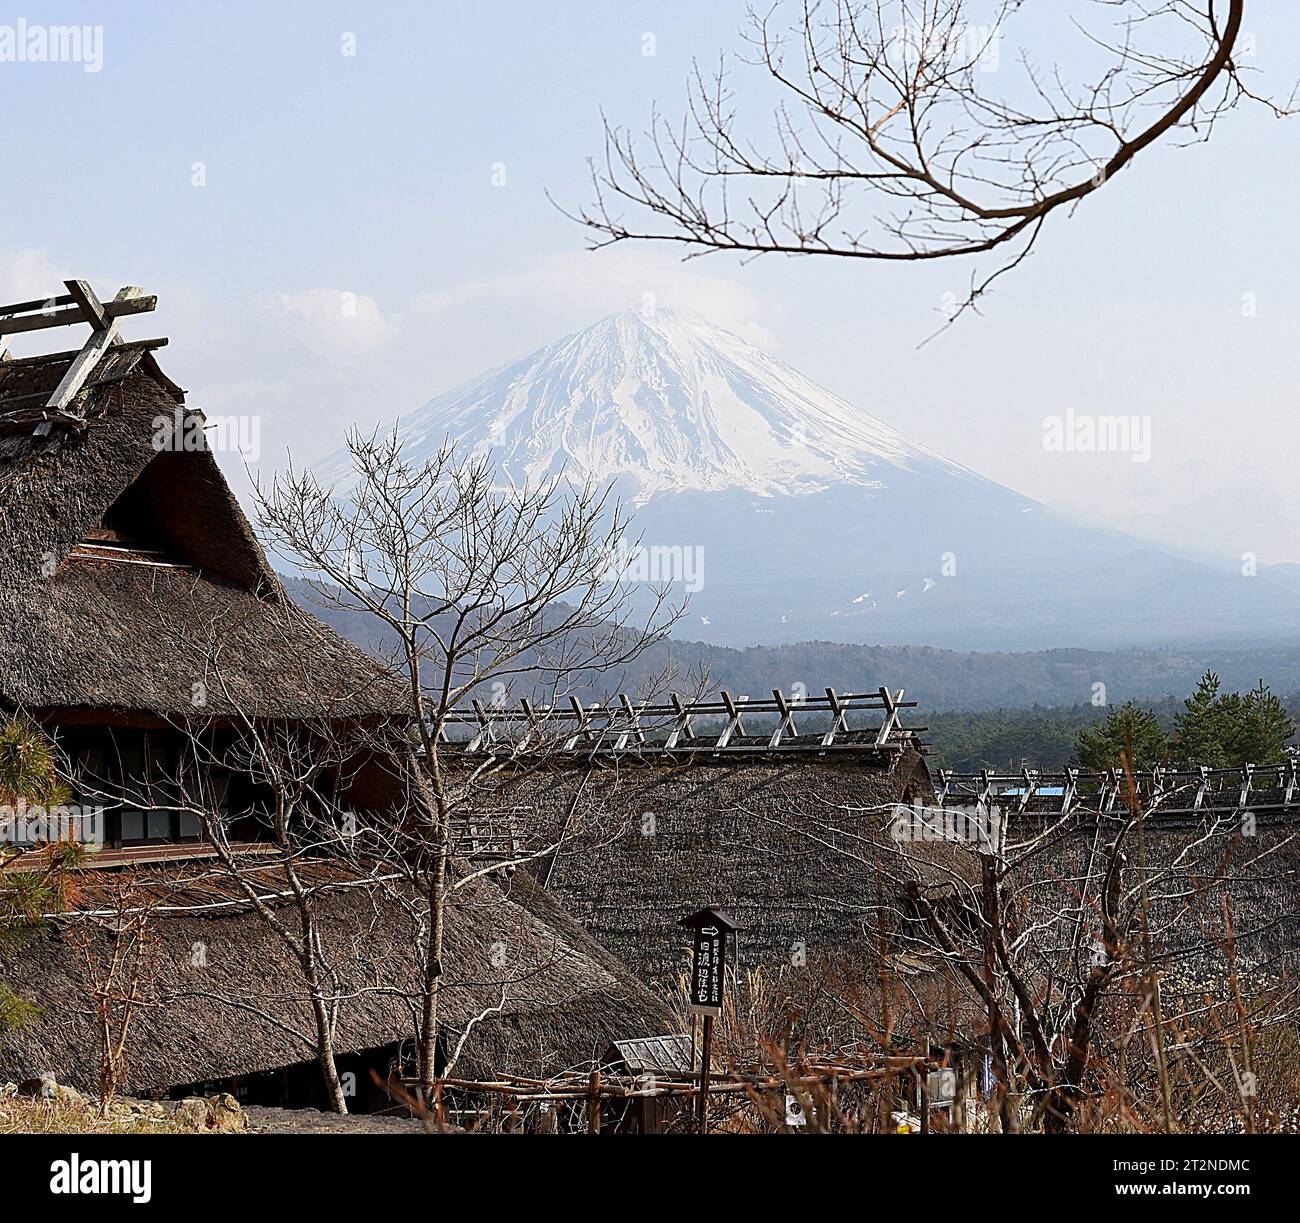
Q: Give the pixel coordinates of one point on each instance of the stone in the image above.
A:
(40, 1087)
(192, 1112)
(225, 1114)
(221, 1113)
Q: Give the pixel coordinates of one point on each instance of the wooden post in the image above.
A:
(958, 1111)
(924, 1083)
(711, 928)
(705, 1060)
(593, 1104)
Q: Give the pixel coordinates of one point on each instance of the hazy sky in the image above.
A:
(380, 174)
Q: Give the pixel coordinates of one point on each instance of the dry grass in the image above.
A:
(22, 1116)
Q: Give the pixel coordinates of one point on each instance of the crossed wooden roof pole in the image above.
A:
(622, 723)
(78, 305)
(1175, 791)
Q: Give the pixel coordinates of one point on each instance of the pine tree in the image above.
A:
(28, 772)
(1260, 729)
(1128, 731)
(1200, 733)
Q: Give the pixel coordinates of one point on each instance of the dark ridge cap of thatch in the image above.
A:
(65, 358)
(899, 759)
(563, 1008)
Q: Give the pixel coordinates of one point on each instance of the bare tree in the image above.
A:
(119, 958)
(484, 593)
(291, 773)
(1061, 929)
(894, 139)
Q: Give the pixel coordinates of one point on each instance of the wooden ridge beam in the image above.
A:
(787, 718)
(107, 323)
(890, 702)
(118, 309)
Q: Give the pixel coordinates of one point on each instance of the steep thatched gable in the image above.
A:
(83, 630)
(55, 490)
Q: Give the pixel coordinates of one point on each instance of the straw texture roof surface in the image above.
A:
(122, 636)
(757, 838)
(229, 990)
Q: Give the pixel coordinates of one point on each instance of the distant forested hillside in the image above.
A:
(984, 710)
(1042, 736)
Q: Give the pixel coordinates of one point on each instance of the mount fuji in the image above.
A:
(801, 516)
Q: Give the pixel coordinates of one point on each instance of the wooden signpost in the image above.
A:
(711, 929)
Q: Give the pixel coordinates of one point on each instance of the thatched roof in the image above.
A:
(725, 833)
(791, 846)
(566, 998)
(82, 629)
(1192, 869)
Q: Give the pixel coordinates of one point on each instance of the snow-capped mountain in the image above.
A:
(790, 514)
(667, 403)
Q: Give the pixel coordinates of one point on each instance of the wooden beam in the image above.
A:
(81, 366)
(734, 724)
(1029, 783)
(40, 303)
(1111, 791)
(484, 735)
(533, 727)
(583, 716)
(92, 308)
(116, 309)
(39, 322)
(682, 725)
(1243, 797)
(839, 722)
(1070, 788)
(786, 711)
(633, 724)
(891, 715)
(1201, 788)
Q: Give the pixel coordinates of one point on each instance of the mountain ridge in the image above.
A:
(804, 517)
(665, 402)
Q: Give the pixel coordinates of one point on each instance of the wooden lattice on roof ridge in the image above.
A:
(656, 727)
(1264, 789)
(79, 304)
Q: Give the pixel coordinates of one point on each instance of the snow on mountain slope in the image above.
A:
(666, 403)
(792, 504)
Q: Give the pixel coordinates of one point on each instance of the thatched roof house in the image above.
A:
(135, 601)
(775, 829)
(123, 562)
(229, 1003)
(1210, 835)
